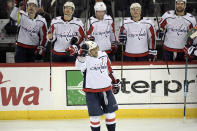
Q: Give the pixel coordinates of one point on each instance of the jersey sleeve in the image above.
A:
(16, 16)
(163, 20)
(112, 34)
(43, 33)
(192, 20)
(111, 74)
(122, 27)
(90, 28)
(80, 64)
(151, 35)
(52, 29)
(81, 34)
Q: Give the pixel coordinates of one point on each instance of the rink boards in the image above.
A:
(147, 91)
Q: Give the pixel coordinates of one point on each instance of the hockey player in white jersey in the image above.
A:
(138, 35)
(62, 30)
(32, 32)
(99, 86)
(101, 30)
(175, 24)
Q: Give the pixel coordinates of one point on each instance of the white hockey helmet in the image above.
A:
(70, 4)
(91, 45)
(135, 5)
(33, 1)
(100, 6)
(181, 1)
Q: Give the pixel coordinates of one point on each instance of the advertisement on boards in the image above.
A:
(24, 88)
(142, 86)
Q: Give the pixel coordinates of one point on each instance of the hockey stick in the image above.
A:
(113, 10)
(86, 19)
(50, 64)
(185, 85)
(122, 48)
(156, 16)
(186, 73)
(19, 8)
(123, 86)
(50, 61)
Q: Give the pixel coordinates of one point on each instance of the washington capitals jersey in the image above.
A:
(176, 28)
(95, 72)
(64, 31)
(140, 36)
(103, 31)
(32, 32)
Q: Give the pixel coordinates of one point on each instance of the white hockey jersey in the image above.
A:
(32, 32)
(103, 32)
(140, 37)
(95, 72)
(64, 31)
(176, 28)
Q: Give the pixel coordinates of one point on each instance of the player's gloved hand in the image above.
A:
(122, 37)
(74, 41)
(91, 38)
(152, 55)
(39, 53)
(160, 33)
(116, 86)
(18, 3)
(40, 50)
(83, 50)
(114, 47)
(72, 50)
(189, 50)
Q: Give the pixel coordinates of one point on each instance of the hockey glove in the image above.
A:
(72, 50)
(160, 33)
(116, 86)
(40, 50)
(91, 38)
(74, 41)
(114, 47)
(189, 50)
(152, 55)
(122, 37)
(83, 50)
(39, 53)
(18, 3)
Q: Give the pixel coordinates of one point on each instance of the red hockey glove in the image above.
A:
(72, 50)
(116, 86)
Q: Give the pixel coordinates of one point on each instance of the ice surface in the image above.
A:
(83, 125)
